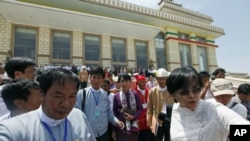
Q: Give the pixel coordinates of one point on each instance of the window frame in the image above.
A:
(147, 50)
(91, 62)
(163, 50)
(56, 60)
(116, 63)
(12, 50)
(206, 68)
(189, 56)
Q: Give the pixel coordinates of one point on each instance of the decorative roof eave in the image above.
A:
(59, 18)
(185, 10)
(158, 14)
(134, 13)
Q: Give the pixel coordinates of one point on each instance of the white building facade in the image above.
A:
(108, 33)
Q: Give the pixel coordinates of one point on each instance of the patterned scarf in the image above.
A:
(132, 101)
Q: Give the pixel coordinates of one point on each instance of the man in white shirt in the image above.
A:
(18, 67)
(243, 97)
(56, 119)
(223, 92)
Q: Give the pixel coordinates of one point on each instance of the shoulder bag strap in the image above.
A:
(168, 122)
(83, 99)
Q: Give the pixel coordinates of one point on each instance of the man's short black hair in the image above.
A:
(97, 70)
(18, 64)
(218, 70)
(17, 89)
(204, 74)
(244, 89)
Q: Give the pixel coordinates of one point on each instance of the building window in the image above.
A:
(160, 51)
(202, 57)
(92, 48)
(141, 54)
(200, 39)
(118, 50)
(25, 42)
(183, 36)
(185, 55)
(61, 45)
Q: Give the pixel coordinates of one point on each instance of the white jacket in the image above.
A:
(209, 122)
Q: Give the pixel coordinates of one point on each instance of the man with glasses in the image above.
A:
(18, 67)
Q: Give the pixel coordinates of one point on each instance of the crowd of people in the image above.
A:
(97, 104)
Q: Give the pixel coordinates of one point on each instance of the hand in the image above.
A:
(114, 135)
(207, 85)
(120, 124)
(128, 116)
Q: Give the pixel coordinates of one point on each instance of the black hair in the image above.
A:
(106, 81)
(182, 78)
(244, 89)
(125, 76)
(18, 64)
(203, 74)
(97, 71)
(17, 89)
(218, 70)
(59, 76)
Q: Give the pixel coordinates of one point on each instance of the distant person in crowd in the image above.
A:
(74, 69)
(18, 67)
(243, 97)
(151, 82)
(21, 96)
(3, 75)
(145, 133)
(158, 99)
(127, 107)
(94, 102)
(106, 87)
(223, 93)
(55, 119)
(83, 75)
(193, 119)
(219, 73)
(134, 80)
(205, 92)
(116, 85)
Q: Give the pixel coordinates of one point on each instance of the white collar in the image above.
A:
(93, 90)
(44, 118)
(142, 91)
(162, 89)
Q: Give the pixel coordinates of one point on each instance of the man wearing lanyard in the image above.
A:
(97, 105)
(55, 119)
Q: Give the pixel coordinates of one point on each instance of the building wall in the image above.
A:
(77, 51)
(172, 50)
(5, 39)
(43, 56)
(106, 50)
(44, 48)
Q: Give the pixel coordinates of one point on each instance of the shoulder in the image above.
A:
(1, 88)
(153, 89)
(236, 99)
(21, 121)
(4, 117)
(75, 112)
(240, 107)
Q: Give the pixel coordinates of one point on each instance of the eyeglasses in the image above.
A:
(187, 92)
(33, 71)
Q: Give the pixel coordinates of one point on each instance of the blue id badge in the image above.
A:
(97, 112)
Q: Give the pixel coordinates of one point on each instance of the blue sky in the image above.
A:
(233, 53)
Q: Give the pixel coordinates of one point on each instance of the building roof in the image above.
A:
(116, 18)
